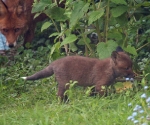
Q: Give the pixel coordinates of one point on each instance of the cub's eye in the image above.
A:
(126, 68)
(5, 30)
(16, 29)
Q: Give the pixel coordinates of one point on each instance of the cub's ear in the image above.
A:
(119, 49)
(114, 56)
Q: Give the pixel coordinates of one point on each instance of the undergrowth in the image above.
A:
(36, 103)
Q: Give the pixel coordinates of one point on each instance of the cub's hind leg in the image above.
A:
(62, 87)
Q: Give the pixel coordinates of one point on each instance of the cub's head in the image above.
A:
(123, 64)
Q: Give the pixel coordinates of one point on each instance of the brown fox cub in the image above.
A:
(87, 71)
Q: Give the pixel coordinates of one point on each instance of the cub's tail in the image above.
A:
(48, 71)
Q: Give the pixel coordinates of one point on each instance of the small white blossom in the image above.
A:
(130, 117)
(134, 114)
(136, 121)
(144, 124)
(137, 108)
(129, 104)
(148, 100)
(145, 87)
(141, 111)
(143, 95)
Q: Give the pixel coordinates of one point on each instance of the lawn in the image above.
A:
(36, 103)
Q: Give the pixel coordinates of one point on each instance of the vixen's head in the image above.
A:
(123, 64)
(12, 20)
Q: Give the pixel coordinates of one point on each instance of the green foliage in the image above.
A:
(105, 49)
(45, 25)
(35, 102)
(80, 8)
(118, 11)
(71, 38)
(95, 15)
(117, 22)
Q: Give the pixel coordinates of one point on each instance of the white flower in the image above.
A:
(129, 104)
(144, 124)
(145, 87)
(141, 111)
(134, 114)
(136, 121)
(137, 108)
(143, 95)
(148, 100)
(130, 117)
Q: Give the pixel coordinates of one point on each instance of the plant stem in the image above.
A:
(97, 23)
(143, 46)
(106, 22)
(87, 44)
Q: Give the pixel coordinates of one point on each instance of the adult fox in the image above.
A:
(16, 18)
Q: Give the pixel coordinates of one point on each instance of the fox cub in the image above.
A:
(87, 71)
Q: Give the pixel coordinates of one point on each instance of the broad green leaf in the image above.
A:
(36, 15)
(131, 50)
(55, 48)
(115, 35)
(69, 39)
(104, 50)
(57, 13)
(81, 41)
(39, 6)
(54, 34)
(93, 16)
(45, 25)
(122, 20)
(80, 8)
(119, 2)
(118, 11)
(73, 47)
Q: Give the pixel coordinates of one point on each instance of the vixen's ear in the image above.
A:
(114, 56)
(3, 9)
(21, 9)
(119, 49)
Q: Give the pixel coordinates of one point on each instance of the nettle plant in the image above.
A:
(74, 21)
(95, 27)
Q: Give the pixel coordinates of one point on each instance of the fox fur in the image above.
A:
(16, 19)
(87, 71)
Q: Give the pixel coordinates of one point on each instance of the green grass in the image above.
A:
(36, 103)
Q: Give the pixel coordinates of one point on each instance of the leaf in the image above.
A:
(80, 8)
(39, 6)
(73, 47)
(118, 11)
(55, 48)
(36, 15)
(119, 2)
(69, 39)
(115, 35)
(57, 13)
(93, 16)
(104, 50)
(54, 34)
(45, 25)
(81, 41)
(131, 50)
(122, 20)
